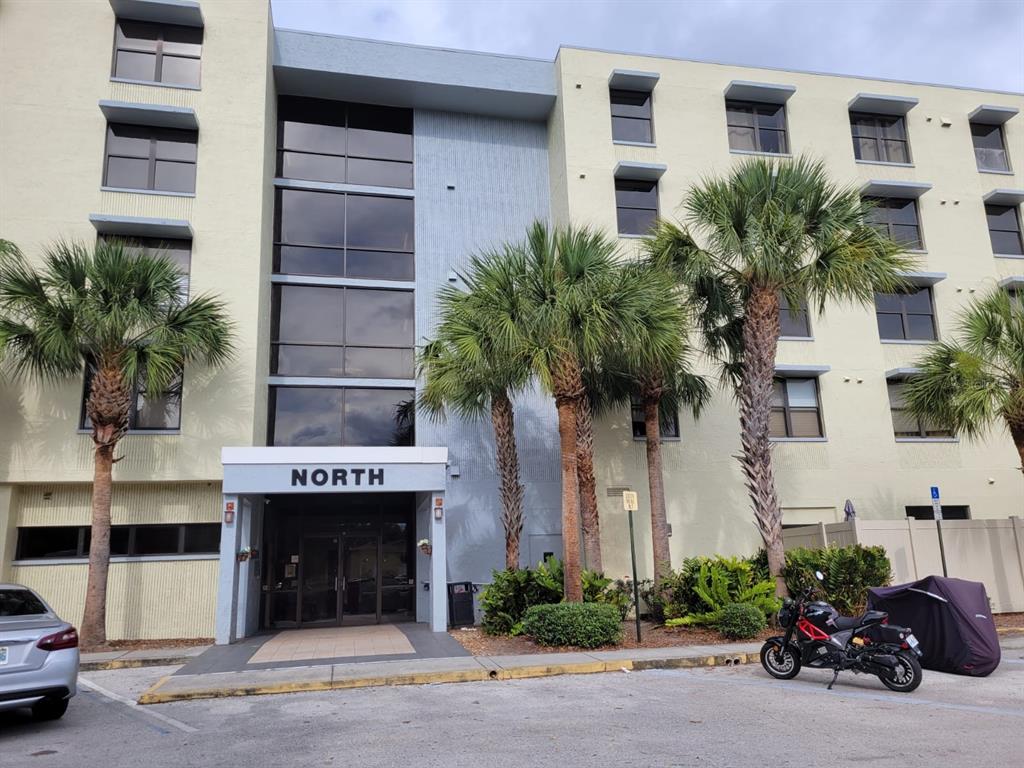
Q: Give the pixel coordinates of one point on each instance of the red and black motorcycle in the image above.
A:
(817, 636)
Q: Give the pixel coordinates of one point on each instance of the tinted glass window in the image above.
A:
(636, 204)
(384, 223)
(1004, 229)
(141, 157)
(383, 133)
(312, 218)
(314, 416)
(379, 416)
(906, 315)
(162, 53)
(306, 416)
(879, 138)
(668, 427)
(793, 322)
(795, 409)
(49, 541)
(156, 540)
(20, 602)
(989, 148)
(202, 538)
(631, 116)
(896, 218)
(379, 318)
(756, 127)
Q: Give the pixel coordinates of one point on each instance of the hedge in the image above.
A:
(586, 625)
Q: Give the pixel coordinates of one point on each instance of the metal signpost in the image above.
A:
(630, 503)
(937, 511)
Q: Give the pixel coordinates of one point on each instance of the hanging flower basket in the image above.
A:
(425, 547)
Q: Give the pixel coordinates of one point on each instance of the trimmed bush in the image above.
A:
(849, 572)
(586, 625)
(741, 621)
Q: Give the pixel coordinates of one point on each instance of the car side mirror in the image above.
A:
(819, 576)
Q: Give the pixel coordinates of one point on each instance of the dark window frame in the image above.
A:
(159, 54)
(133, 415)
(83, 533)
(754, 107)
(1005, 150)
(1017, 231)
(648, 119)
(881, 147)
(667, 430)
(344, 390)
(276, 343)
(904, 315)
(887, 227)
(802, 314)
(787, 409)
(922, 433)
(151, 158)
(655, 185)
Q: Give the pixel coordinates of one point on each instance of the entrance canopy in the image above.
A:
(333, 470)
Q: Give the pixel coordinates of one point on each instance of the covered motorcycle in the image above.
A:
(951, 617)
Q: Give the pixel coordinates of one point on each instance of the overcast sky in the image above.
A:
(958, 42)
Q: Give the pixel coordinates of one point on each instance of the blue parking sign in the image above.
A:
(935, 491)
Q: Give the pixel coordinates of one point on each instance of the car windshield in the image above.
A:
(20, 602)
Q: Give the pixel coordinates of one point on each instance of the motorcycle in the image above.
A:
(817, 636)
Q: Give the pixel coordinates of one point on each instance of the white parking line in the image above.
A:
(147, 711)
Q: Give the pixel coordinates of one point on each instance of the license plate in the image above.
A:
(912, 641)
(3, 654)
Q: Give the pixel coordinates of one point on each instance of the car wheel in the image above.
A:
(50, 709)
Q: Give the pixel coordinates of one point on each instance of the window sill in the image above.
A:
(760, 154)
(998, 173)
(134, 432)
(338, 186)
(927, 439)
(798, 439)
(147, 192)
(664, 440)
(796, 338)
(634, 143)
(119, 559)
(917, 251)
(909, 342)
(630, 236)
(883, 162)
(128, 81)
(1009, 255)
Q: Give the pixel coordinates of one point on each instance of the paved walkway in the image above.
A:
(419, 671)
(151, 657)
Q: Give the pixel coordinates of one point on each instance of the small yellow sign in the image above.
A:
(630, 502)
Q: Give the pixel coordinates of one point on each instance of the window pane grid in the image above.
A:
(331, 416)
(909, 315)
(51, 542)
(880, 138)
(1004, 229)
(636, 206)
(169, 155)
(792, 413)
(756, 127)
(897, 220)
(166, 44)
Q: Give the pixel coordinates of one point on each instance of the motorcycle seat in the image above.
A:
(849, 622)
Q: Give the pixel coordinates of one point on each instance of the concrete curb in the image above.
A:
(100, 666)
(156, 696)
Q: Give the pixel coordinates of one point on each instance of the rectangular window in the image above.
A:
(989, 147)
(636, 206)
(336, 234)
(1004, 229)
(949, 512)
(343, 332)
(325, 416)
(908, 315)
(631, 116)
(879, 138)
(72, 541)
(794, 322)
(321, 140)
(157, 53)
(795, 409)
(757, 127)
(157, 411)
(145, 157)
(178, 252)
(668, 427)
(896, 218)
(906, 424)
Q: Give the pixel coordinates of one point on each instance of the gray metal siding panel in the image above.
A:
(499, 170)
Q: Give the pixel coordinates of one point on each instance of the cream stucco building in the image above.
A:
(257, 140)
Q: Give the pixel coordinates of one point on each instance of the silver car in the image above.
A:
(38, 655)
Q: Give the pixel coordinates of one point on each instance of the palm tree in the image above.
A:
(476, 362)
(771, 227)
(590, 519)
(977, 381)
(120, 315)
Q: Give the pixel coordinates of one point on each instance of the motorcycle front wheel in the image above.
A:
(779, 662)
(907, 675)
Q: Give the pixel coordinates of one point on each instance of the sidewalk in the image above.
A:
(252, 682)
(151, 657)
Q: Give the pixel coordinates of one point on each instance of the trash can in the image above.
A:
(460, 604)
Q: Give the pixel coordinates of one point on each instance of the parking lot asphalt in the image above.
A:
(700, 717)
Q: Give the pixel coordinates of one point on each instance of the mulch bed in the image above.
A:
(145, 645)
(1012, 621)
(474, 640)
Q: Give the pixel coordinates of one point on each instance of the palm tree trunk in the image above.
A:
(656, 482)
(760, 340)
(588, 485)
(503, 421)
(94, 618)
(568, 387)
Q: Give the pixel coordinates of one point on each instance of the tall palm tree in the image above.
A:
(118, 314)
(977, 381)
(477, 362)
(590, 519)
(771, 227)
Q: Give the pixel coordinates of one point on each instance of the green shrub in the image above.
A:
(720, 582)
(849, 572)
(511, 592)
(740, 621)
(586, 625)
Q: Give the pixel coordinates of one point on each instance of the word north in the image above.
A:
(354, 476)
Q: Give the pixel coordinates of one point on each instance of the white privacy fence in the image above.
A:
(989, 551)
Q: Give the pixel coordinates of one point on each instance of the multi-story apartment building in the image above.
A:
(326, 187)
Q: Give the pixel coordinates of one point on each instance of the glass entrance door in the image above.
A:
(319, 580)
(360, 579)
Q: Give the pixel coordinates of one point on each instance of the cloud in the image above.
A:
(957, 42)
